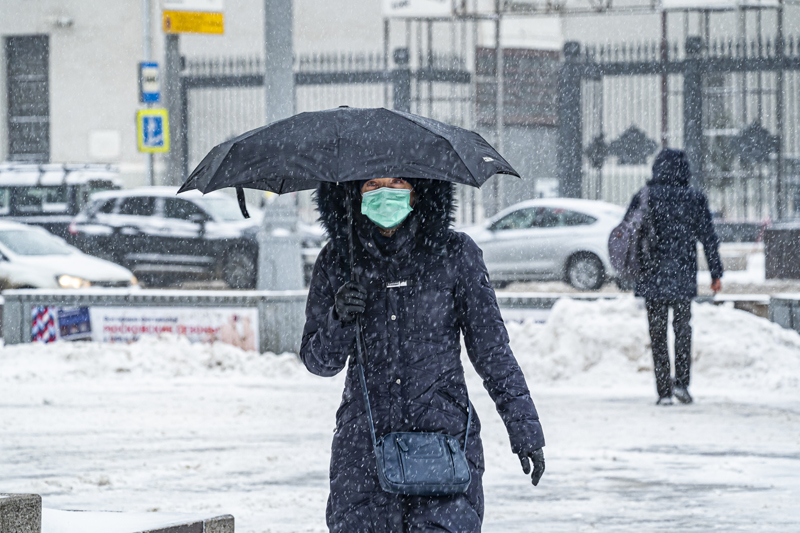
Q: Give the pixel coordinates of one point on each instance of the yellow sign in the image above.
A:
(193, 22)
(152, 130)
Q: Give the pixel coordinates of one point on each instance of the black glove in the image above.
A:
(537, 457)
(351, 300)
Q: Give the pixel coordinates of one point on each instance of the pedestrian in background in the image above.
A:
(680, 217)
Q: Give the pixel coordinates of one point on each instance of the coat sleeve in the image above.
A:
(487, 345)
(327, 342)
(708, 236)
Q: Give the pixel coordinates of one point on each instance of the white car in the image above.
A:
(549, 239)
(33, 258)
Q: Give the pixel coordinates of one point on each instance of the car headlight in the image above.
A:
(71, 282)
(134, 281)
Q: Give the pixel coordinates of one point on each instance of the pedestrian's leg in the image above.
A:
(682, 326)
(657, 316)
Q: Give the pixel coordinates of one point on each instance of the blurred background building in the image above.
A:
(69, 78)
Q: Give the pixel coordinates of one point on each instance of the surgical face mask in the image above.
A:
(386, 207)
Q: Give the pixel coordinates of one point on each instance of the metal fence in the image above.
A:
(733, 106)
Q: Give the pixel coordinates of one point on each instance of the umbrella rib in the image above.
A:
(474, 179)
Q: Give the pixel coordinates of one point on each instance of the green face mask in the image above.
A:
(386, 207)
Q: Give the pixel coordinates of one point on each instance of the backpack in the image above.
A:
(632, 245)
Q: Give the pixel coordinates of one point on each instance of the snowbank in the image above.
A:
(597, 342)
(602, 344)
(164, 357)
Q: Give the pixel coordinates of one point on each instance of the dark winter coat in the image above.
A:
(414, 373)
(680, 217)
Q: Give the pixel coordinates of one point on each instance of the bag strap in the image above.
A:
(363, 381)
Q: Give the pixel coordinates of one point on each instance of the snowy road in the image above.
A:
(167, 426)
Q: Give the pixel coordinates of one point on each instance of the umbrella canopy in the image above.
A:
(347, 144)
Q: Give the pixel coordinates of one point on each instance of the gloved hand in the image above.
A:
(537, 457)
(350, 301)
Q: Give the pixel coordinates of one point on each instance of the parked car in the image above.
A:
(50, 195)
(33, 258)
(160, 236)
(549, 239)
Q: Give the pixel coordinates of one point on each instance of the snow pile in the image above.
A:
(165, 357)
(601, 342)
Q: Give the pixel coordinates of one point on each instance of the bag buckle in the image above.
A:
(403, 446)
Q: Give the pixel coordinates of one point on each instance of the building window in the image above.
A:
(28, 91)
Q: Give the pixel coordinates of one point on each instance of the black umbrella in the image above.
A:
(347, 144)
(342, 145)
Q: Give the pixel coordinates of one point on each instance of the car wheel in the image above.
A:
(585, 272)
(239, 270)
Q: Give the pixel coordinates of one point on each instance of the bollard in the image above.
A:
(20, 513)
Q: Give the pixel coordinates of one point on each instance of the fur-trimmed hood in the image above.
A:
(432, 216)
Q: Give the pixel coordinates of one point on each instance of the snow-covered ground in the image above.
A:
(165, 425)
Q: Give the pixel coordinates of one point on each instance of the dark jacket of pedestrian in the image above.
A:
(414, 373)
(681, 217)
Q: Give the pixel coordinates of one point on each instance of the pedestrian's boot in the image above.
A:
(682, 394)
(665, 400)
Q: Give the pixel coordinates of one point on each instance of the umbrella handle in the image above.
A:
(361, 353)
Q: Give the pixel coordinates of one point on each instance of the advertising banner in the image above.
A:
(237, 326)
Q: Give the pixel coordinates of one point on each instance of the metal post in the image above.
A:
(147, 56)
(693, 109)
(172, 95)
(401, 78)
(500, 88)
(664, 82)
(780, 201)
(278, 76)
(570, 179)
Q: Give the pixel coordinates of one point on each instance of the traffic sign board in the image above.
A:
(149, 83)
(152, 130)
(193, 16)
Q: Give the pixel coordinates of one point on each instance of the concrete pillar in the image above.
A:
(176, 159)
(278, 74)
(693, 109)
(570, 129)
(20, 513)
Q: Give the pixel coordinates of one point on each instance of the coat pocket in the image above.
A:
(432, 313)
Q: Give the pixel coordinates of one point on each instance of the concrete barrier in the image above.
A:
(55, 521)
(280, 313)
(784, 310)
(20, 513)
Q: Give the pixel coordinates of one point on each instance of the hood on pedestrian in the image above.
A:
(671, 168)
(431, 218)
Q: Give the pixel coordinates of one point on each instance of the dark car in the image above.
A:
(163, 238)
(50, 195)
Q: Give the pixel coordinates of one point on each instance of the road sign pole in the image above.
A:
(146, 53)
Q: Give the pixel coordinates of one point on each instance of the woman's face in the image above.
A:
(392, 183)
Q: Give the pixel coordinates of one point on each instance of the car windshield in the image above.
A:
(225, 209)
(32, 242)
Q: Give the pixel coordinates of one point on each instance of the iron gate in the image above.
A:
(733, 106)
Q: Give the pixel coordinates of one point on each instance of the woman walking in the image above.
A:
(418, 286)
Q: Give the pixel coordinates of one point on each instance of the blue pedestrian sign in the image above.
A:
(152, 130)
(149, 83)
